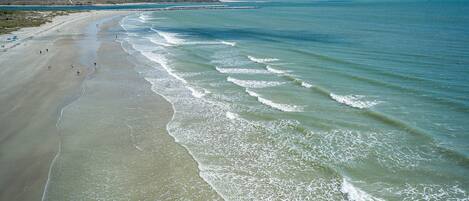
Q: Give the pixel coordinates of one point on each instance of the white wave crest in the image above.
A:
(356, 194)
(306, 85)
(276, 71)
(228, 43)
(278, 106)
(231, 115)
(143, 17)
(254, 83)
(355, 101)
(197, 93)
(160, 59)
(171, 38)
(210, 43)
(155, 41)
(262, 60)
(241, 71)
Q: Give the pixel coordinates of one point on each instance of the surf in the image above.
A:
(272, 104)
(254, 83)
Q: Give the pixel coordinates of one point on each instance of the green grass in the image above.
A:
(13, 20)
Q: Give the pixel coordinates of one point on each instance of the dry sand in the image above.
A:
(97, 136)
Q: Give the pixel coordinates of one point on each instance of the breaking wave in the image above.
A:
(355, 101)
(231, 115)
(171, 38)
(278, 106)
(276, 71)
(232, 44)
(241, 71)
(254, 83)
(262, 60)
(356, 194)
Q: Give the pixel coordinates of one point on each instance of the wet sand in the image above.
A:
(97, 136)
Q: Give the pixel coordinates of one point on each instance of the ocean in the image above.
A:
(314, 100)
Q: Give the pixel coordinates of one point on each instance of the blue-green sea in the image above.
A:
(315, 100)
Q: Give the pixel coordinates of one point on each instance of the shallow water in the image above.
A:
(318, 101)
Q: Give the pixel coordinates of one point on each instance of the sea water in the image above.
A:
(310, 100)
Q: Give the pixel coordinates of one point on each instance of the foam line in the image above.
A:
(355, 101)
(262, 60)
(276, 71)
(241, 71)
(254, 83)
(356, 194)
(278, 106)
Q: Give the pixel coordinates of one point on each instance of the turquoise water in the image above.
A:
(316, 100)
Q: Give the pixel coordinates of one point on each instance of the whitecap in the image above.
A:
(241, 71)
(355, 101)
(157, 42)
(262, 60)
(278, 106)
(197, 93)
(161, 59)
(254, 83)
(143, 17)
(231, 115)
(228, 43)
(306, 85)
(276, 71)
(171, 38)
(356, 194)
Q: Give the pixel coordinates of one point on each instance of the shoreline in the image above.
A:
(56, 177)
(34, 89)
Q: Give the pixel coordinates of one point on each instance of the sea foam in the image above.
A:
(160, 59)
(228, 43)
(171, 38)
(143, 17)
(262, 60)
(355, 101)
(231, 115)
(278, 106)
(197, 93)
(306, 85)
(241, 71)
(276, 71)
(155, 41)
(254, 83)
(356, 194)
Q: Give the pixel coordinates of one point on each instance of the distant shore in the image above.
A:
(97, 3)
(14, 17)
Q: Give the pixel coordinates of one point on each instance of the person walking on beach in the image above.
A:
(40, 51)
(94, 63)
(78, 73)
(47, 50)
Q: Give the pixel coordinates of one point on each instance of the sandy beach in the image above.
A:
(99, 134)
